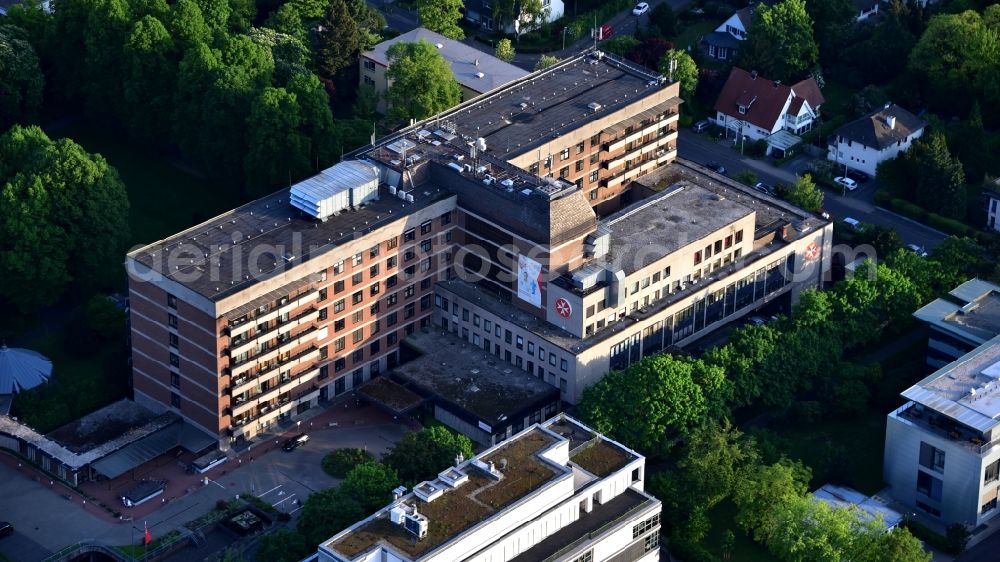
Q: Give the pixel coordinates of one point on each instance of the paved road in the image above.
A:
(702, 149)
(45, 521)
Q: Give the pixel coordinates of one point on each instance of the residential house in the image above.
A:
(476, 72)
(723, 43)
(941, 455)
(993, 205)
(481, 12)
(864, 143)
(752, 107)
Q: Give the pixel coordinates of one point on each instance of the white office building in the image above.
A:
(941, 454)
(555, 492)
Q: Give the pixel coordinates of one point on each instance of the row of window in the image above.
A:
(718, 247)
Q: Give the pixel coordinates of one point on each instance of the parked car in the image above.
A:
(919, 250)
(756, 321)
(6, 529)
(853, 223)
(848, 183)
(716, 167)
(701, 126)
(823, 213)
(605, 32)
(858, 176)
(764, 188)
(640, 8)
(295, 442)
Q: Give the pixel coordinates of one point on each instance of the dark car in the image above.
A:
(295, 442)
(716, 167)
(858, 176)
(6, 529)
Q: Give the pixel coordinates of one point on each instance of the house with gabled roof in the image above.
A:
(882, 135)
(752, 107)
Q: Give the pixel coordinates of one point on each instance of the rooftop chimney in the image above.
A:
(753, 74)
(777, 83)
(890, 121)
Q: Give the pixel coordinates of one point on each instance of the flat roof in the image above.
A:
(470, 377)
(872, 507)
(467, 63)
(229, 253)
(972, 311)
(666, 222)
(555, 100)
(526, 470)
(966, 389)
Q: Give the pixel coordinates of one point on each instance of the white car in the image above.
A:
(640, 8)
(917, 250)
(850, 184)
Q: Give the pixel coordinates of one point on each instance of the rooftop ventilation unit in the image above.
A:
(342, 186)
(480, 75)
(406, 516)
(594, 106)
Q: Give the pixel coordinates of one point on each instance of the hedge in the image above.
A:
(882, 197)
(908, 209)
(949, 225)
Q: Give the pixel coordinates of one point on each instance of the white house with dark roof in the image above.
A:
(723, 43)
(866, 142)
(476, 72)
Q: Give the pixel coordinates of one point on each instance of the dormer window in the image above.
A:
(743, 109)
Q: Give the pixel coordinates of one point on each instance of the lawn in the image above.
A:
(163, 198)
(691, 34)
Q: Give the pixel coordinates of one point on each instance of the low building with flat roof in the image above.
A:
(967, 318)
(871, 508)
(475, 71)
(555, 491)
(941, 453)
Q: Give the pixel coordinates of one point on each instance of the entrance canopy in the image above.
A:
(22, 369)
(153, 445)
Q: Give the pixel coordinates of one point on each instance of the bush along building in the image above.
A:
(547, 224)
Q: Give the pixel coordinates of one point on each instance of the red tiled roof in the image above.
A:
(768, 97)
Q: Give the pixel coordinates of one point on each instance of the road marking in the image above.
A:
(294, 510)
(216, 483)
(269, 491)
(276, 504)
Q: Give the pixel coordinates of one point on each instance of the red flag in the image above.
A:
(149, 536)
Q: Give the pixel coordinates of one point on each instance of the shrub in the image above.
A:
(928, 536)
(882, 197)
(688, 551)
(908, 209)
(341, 461)
(949, 225)
(957, 536)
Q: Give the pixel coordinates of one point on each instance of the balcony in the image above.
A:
(285, 347)
(943, 426)
(243, 345)
(246, 382)
(663, 156)
(650, 129)
(237, 329)
(272, 393)
(664, 141)
(273, 411)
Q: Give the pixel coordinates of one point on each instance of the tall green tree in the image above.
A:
(371, 484)
(420, 455)
(151, 72)
(763, 487)
(316, 120)
(284, 545)
(337, 40)
(832, 21)
(780, 43)
(679, 65)
(107, 31)
(327, 512)
(546, 61)
(216, 14)
(187, 25)
(58, 201)
(421, 81)
(662, 21)
(277, 152)
(310, 9)
(442, 16)
(805, 194)
(663, 387)
(21, 78)
(940, 181)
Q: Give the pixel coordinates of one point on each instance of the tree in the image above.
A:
(187, 25)
(869, 99)
(955, 60)
(337, 40)
(741, 359)
(283, 545)
(662, 21)
(278, 152)
(310, 10)
(804, 193)
(341, 461)
(107, 31)
(833, 20)
(216, 14)
(371, 484)
(151, 70)
(422, 454)
(21, 78)
(57, 201)
(287, 19)
(940, 181)
(327, 512)
(663, 387)
(780, 43)
(441, 16)
(761, 489)
(972, 146)
(546, 61)
(678, 65)
(650, 52)
(505, 50)
(421, 81)
(370, 23)
(884, 240)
